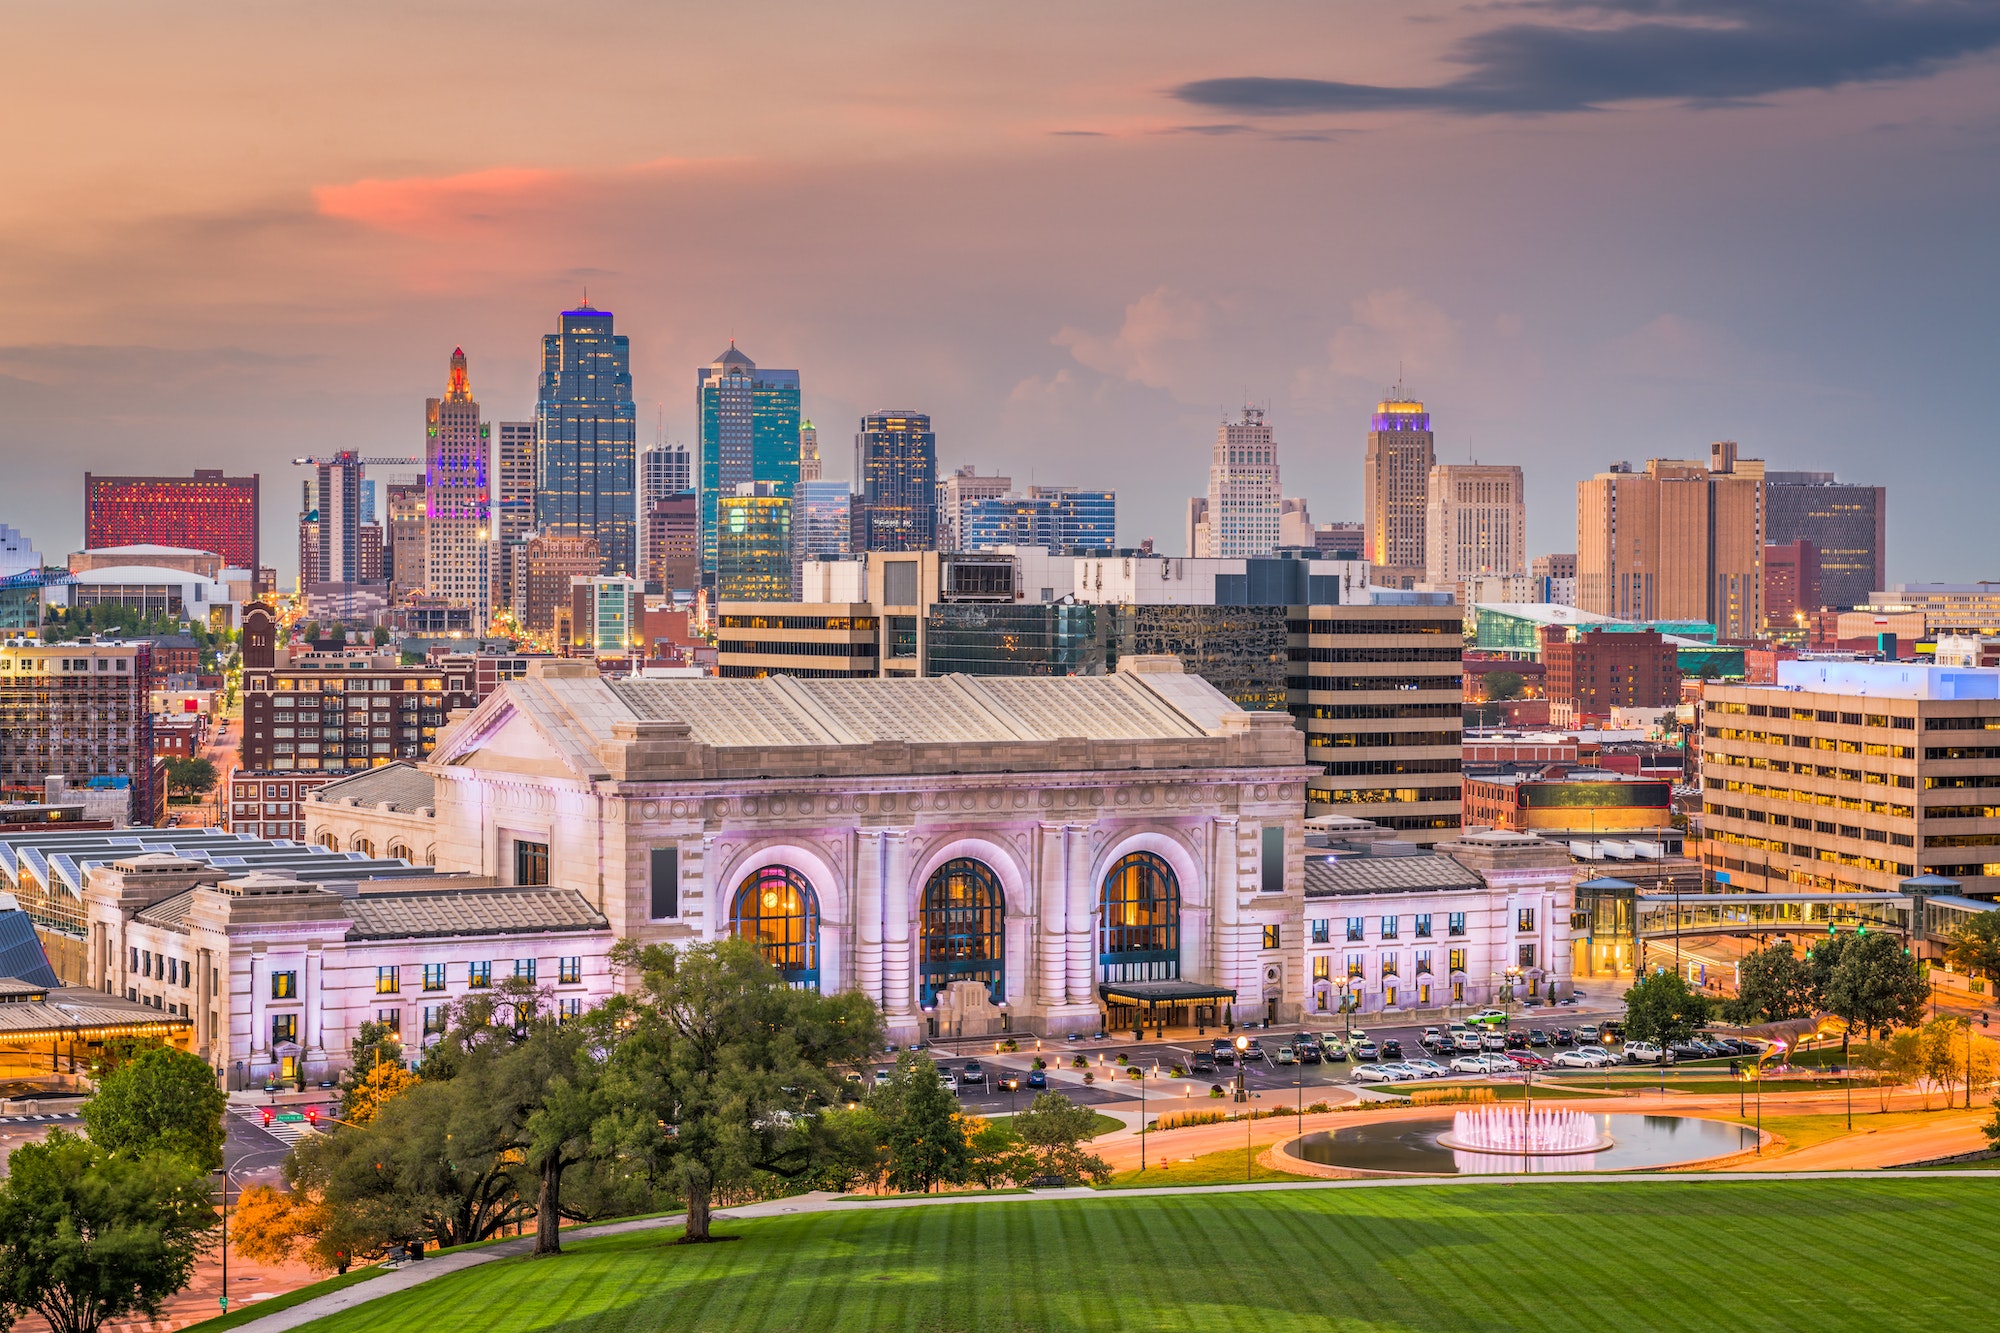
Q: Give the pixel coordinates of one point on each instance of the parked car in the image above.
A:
(972, 1074)
(1403, 1073)
(1466, 1041)
(1537, 1037)
(1582, 1057)
(950, 1082)
(1487, 1018)
(1287, 1056)
(1223, 1054)
(1372, 1074)
(1429, 1068)
(1367, 1050)
(1528, 1059)
(1392, 1049)
(1201, 1062)
(1493, 1041)
(1336, 1052)
(1517, 1041)
(1564, 1037)
(1688, 1050)
(1587, 1034)
(1640, 1053)
(1037, 1079)
(1482, 1064)
(1010, 1083)
(1310, 1054)
(881, 1078)
(1255, 1052)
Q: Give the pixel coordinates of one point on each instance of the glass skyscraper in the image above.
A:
(895, 469)
(586, 439)
(754, 545)
(749, 433)
(1057, 518)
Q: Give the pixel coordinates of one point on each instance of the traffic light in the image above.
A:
(312, 1116)
(1863, 930)
(269, 1113)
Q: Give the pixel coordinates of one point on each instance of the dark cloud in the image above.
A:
(1208, 129)
(1701, 51)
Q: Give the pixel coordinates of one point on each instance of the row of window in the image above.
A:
(1826, 854)
(1382, 795)
(859, 648)
(437, 976)
(1390, 964)
(1828, 799)
(159, 967)
(1369, 768)
(1439, 626)
(1390, 927)
(1375, 655)
(1455, 684)
(1826, 715)
(1369, 740)
(1756, 816)
(1380, 712)
(435, 1018)
(1831, 744)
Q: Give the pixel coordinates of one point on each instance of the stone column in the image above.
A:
(1222, 888)
(204, 1035)
(868, 913)
(1081, 916)
(312, 1036)
(1052, 902)
(896, 968)
(260, 985)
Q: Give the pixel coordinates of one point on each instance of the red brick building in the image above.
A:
(265, 804)
(1600, 670)
(1791, 586)
(205, 512)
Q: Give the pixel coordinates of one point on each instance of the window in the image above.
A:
(524, 969)
(1457, 960)
(1389, 966)
(1322, 967)
(284, 1027)
(569, 1009)
(666, 882)
(1423, 926)
(1322, 932)
(531, 862)
(135, 959)
(479, 975)
(1354, 968)
(569, 971)
(435, 1016)
(1273, 867)
(1525, 956)
(1455, 924)
(1356, 929)
(1140, 934)
(1458, 992)
(776, 909)
(1423, 962)
(1524, 919)
(284, 985)
(388, 981)
(433, 977)
(1388, 927)
(391, 1019)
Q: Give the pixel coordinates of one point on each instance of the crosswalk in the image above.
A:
(42, 1119)
(287, 1132)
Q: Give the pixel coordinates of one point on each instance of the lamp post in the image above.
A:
(224, 1298)
(1242, 1045)
(1142, 1118)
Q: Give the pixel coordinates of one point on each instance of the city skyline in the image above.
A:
(1671, 269)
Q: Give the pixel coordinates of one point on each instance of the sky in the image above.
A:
(1078, 234)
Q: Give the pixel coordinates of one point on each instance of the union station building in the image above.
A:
(977, 854)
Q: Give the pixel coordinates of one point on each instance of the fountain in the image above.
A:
(1526, 1131)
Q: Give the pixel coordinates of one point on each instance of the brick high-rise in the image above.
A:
(1402, 450)
(205, 512)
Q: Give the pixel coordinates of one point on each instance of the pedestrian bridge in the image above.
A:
(1662, 915)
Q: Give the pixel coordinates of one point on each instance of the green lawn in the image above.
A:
(1099, 1124)
(245, 1311)
(1226, 1167)
(1677, 1256)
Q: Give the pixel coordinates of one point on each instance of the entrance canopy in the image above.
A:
(1154, 993)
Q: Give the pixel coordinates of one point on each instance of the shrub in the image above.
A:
(1446, 1096)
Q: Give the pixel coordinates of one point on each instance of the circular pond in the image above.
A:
(1627, 1142)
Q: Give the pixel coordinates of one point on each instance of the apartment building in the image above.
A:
(81, 711)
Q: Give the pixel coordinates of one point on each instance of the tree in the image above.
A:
(1053, 1130)
(1952, 1054)
(1663, 1008)
(1974, 947)
(1876, 985)
(159, 1100)
(558, 1078)
(1503, 685)
(374, 1045)
(88, 1235)
(927, 1138)
(1991, 1129)
(360, 1103)
(723, 1065)
(997, 1156)
(191, 775)
(1774, 984)
(1822, 956)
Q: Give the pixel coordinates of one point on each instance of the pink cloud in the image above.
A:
(420, 204)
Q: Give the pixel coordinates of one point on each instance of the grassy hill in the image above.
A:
(1818, 1256)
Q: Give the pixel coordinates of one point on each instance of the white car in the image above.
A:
(1470, 1064)
(1584, 1057)
(1376, 1074)
(1465, 1041)
(950, 1082)
(1641, 1053)
(1404, 1073)
(1428, 1068)
(881, 1078)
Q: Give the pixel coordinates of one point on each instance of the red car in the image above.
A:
(1527, 1060)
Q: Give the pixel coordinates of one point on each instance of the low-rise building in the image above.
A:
(1561, 801)
(264, 803)
(1594, 672)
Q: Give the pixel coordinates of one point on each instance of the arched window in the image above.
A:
(777, 910)
(1139, 935)
(328, 841)
(364, 845)
(401, 853)
(962, 929)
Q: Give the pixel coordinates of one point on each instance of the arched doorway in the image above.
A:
(1139, 930)
(962, 930)
(776, 909)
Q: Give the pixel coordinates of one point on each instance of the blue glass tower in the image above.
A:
(586, 439)
(749, 433)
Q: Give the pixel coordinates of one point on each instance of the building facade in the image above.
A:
(458, 498)
(749, 433)
(673, 542)
(1589, 673)
(808, 640)
(607, 616)
(265, 803)
(586, 433)
(1793, 590)
(1475, 523)
(207, 511)
(551, 562)
(82, 712)
(405, 554)
(1847, 525)
(1402, 450)
(1078, 849)
(753, 544)
(1554, 578)
(1242, 513)
(809, 459)
(513, 510)
(895, 474)
(955, 494)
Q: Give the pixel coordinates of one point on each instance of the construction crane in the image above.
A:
(369, 461)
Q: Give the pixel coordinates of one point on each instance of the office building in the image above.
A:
(1402, 450)
(404, 560)
(1965, 650)
(586, 453)
(343, 707)
(1847, 525)
(753, 544)
(821, 783)
(18, 555)
(1553, 579)
(1077, 519)
(808, 640)
(82, 712)
(665, 469)
(1588, 674)
(1559, 801)
(336, 515)
(809, 459)
(955, 494)
(607, 615)
(1377, 689)
(1946, 608)
(749, 433)
(1853, 776)
(1475, 524)
(1006, 520)
(20, 582)
(207, 511)
(1679, 541)
(513, 510)
(551, 562)
(673, 542)
(1792, 588)
(895, 473)
(1017, 639)
(1240, 514)
(458, 498)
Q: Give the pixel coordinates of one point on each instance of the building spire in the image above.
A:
(459, 388)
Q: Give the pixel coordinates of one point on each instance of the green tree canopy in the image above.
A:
(724, 1067)
(1974, 947)
(1054, 1129)
(1503, 685)
(191, 774)
(159, 1100)
(1663, 1008)
(1774, 984)
(1876, 984)
(88, 1235)
(926, 1135)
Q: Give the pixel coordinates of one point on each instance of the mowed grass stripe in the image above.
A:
(1882, 1254)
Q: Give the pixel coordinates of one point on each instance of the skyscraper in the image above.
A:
(513, 510)
(1475, 523)
(586, 438)
(754, 544)
(954, 493)
(406, 537)
(749, 433)
(665, 469)
(822, 519)
(1847, 524)
(1244, 499)
(1396, 484)
(808, 452)
(458, 504)
(337, 553)
(895, 471)
(205, 512)
(1678, 541)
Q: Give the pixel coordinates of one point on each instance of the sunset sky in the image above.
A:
(1075, 233)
